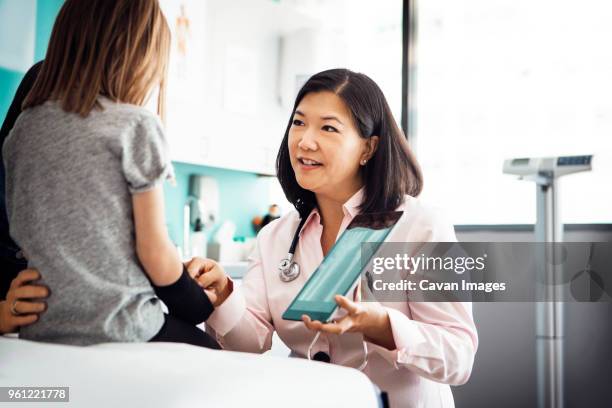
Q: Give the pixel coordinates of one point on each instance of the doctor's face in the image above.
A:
(325, 147)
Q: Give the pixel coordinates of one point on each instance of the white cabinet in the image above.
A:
(224, 89)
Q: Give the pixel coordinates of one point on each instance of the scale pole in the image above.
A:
(549, 313)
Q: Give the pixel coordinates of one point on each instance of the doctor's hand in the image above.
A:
(369, 318)
(20, 308)
(211, 276)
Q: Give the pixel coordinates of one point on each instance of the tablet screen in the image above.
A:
(342, 266)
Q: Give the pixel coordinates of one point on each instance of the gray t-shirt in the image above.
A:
(69, 182)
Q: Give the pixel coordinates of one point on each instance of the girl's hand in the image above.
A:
(211, 276)
(368, 318)
(17, 310)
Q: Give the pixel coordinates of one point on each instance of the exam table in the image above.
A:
(178, 375)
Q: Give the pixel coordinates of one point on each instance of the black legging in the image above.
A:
(177, 331)
(188, 305)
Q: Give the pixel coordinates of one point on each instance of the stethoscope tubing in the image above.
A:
(289, 270)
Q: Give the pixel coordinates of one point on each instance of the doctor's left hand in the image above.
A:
(369, 318)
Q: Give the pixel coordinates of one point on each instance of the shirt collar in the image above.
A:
(313, 217)
(352, 205)
(350, 208)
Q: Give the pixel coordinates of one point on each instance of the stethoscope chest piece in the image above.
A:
(288, 270)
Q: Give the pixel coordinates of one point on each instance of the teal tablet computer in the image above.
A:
(342, 267)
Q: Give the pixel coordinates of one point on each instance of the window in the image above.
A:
(503, 79)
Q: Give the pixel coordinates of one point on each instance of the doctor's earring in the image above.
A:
(363, 162)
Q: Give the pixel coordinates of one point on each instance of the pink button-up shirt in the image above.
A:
(435, 341)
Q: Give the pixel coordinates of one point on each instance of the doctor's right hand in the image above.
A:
(211, 276)
(19, 308)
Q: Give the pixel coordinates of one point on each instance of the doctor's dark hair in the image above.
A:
(391, 172)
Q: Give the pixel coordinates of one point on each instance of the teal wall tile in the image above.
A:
(46, 11)
(9, 81)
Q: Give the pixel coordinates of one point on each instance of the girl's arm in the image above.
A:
(155, 251)
(146, 164)
(173, 284)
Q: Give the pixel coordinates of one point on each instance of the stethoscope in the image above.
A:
(289, 270)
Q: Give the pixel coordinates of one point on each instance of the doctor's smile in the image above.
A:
(226, 203)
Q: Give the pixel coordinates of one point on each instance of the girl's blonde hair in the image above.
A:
(115, 48)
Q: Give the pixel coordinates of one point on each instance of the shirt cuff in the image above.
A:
(227, 315)
(406, 336)
(167, 174)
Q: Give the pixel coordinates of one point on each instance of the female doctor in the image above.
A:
(342, 155)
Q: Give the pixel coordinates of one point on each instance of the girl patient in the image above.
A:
(85, 163)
